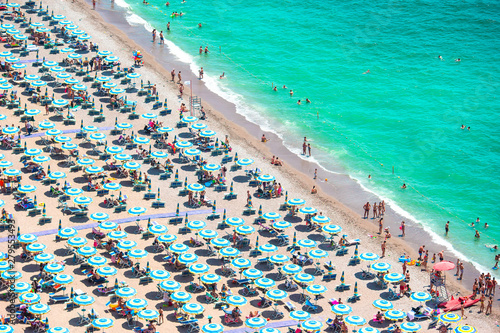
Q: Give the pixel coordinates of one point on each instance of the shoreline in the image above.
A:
(341, 192)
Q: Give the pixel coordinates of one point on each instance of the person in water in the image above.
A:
(308, 100)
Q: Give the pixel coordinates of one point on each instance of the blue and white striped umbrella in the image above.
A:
(63, 279)
(189, 119)
(104, 53)
(85, 161)
(20, 37)
(178, 248)
(122, 157)
(7, 164)
(369, 256)
(29, 298)
(193, 308)
(382, 304)
(57, 69)
(54, 268)
(63, 76)
(71, 81)
(449, 317)
(207, 133)
(87, 251)
(170, 285)
(394, 277)
(6, 86)
(27, 238)
(77, 32)
(368, 330)
(109, 85)
(5, 54)
(308, 210)
(318, 254)
(281, 225)
(14, 5)
(49, 63)
(62, 139)
(192, 152)
(380, 267)
(230, 252)
(158, 229)
(341, 309)
(320, 219)
(255, 322)
(199, 126)
(241, 263)
(279, 259)
(410, 327)
(36, 247)
(303, 278)
(276, 294)
(236, 300)
(137, 253)
(159, 275)
(20, 287)
(196, 225)
(44, 257)
(268, 248)
(300, 315)
(58, 329)
(83, 200)
(465, 329)
(38, 83)
(271, 216)
(199, 268)
(101, 217)
(123, 126)
(106, 271)
(394, 315)
(307, 243)
(117, 234)
(183, 144)
(264, 283)
(12, 172)
(136, 304)
(148, 314)
(167, 238)
(253, 273)
(131, 165)
(220, 242)
(97, 261)
(90, 128)
(211, 167)
(235, 221)
(187, 258)
(164, 129)
(159, 154)
(141, 140)
(103, 79)
(114, 150)
(103, 323)
(245, 230)
(40, 159)
(137, 211)
(59, 103)
(83, 300)
(208, 234)
(97, 136)
(32, 112)
(69, 146)
(421, 296)
(111, 58)
(312, 325)
(244, 161)
(32, 152)
(53, 132)
(291, 269)
(57, 175)
(355, 320)
(125, 292)
(296, 202)
(181, 297)
(77, 242)
(149, 115)
(73, 191)
(9, 130)
(210, 278)
(316, 289)
(265, 178)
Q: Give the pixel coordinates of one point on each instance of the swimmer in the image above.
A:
(468, 128)
(463, 127)
(206, 49)
(308, 100)
(367, 72)
(201, 49)
(477, 235)
(199, 25)
(485, 225)
(458, 60)
(404, 186)
(440, 57)
(299, 102)
(222, 76)
(291, 93)
(168, 26)
(369, 176)
(167, 4)
(284, 87)
(275, 88)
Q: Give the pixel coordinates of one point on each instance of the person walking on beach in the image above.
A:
(309, 149)
(172, 74)
(403, 227)
(162, 40)
(461, 271)
(489, 306)
(304, 148)
(383, 249)
(366, 207)
(404, 267)
(481, 303)
(380, 226)
(154, 34)
(458, 267)
(375, 207)
(421, 252)
(447, 228)
(179, 76)
(315, 173)
(201, 73)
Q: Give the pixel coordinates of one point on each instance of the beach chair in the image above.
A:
(289, 306)
(210, 299)
(341, 251)
(329, 277)
(354, 298)
(309, 306)
(354, 261)
(283, 240)
(53, 298)
(211, 251)
(230, 196)
(194, 287)
(342, 287)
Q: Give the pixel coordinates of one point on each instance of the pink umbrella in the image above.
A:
(444, 266)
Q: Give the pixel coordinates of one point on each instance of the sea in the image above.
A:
(390, 84)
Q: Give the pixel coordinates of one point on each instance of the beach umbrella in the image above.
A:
(208, 234)
(170, 286)
(193, 308)
(122, 157)
(368, 330)
(29, 298)
(69, 146)
(279, 259)
(252, 273)
(207, 133)
(382, 304)
(117, 234)
(307, 243)
(83, 300)
(83, 200)
(106, 271)
(303, 278)
(6, 164)
(85, 161)
(189, 119)
(296, 202)
(268, 248)
(199, 268)
(316, 289)
(465, 329)
(137, 211)
(20, 287)
(187, 258)
(149, 115)
(53, 132)
(300, 315)
(58, 329)
(211, 167)
(62, 139)
(32, 112)
(123, 126)
(148, 314)
(420, 296)
(234, 221)
(114, 150)
(39, 309)
(97, 136)
(229, 252)
(125, 292)
(159, 154)
(183, 144)
(158, 229)
(40, 159)
(59, 17)
(264, 283)
(141, 140)
(103, 323)
(380, 267)
(308, 210)
(103, 79)
(73, 191)
(245, 230)
(199, 126)
(104, 53)
(255, 322)
(317, 254)
(137, 253)
(44, 257)
(90, 128)
(111, 58)
(164, 129)
(244, 161)
(410, 327)
(320, 219)
(109, 85)
(71, 81)
(159, 275)
(77, 242)
(394, 277)
(133, 75)
(394, 314)
(32, 152)
(136, 304)
(312, 325)
(64, 76)
(236, 300)
(210, 278)
(178, 248)
(131, 165)
(56, 175)
(60, 103)
(241, 263)
(9, 130)
(54, 268)
(5, 266)
(271, 216)
(97, 261)
(355, 320)
(220, 242)
(449, 317)
(36, 247)
(181, 297)
(192, 152)
(291, 269)
(27, 238)
(281, 225)
(369, 256)
(341, 309)
(11, 172)
(63, 279)
(276, 294)
(5, 54)
(196, 225)
(167, 238)
(265, 178)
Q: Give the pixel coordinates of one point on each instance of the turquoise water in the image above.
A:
(407, 112)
